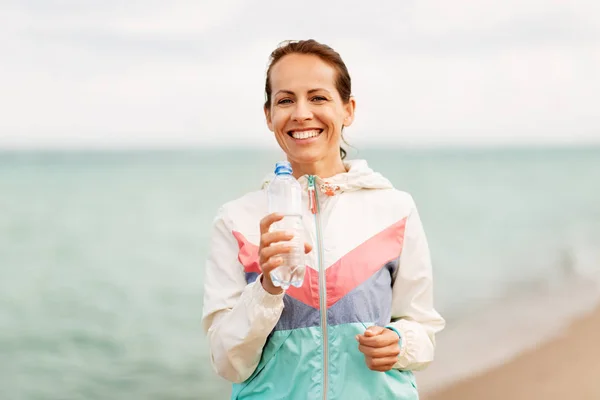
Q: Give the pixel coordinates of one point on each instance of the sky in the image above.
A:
(191, 73)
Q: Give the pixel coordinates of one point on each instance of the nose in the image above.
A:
(302, 111)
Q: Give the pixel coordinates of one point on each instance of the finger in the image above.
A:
(386, 338)
(377, 341)
(382, 352)
(268, 252)
(269, 238)
(373, 331)
(271, 264)
(380, 364)
(307, 248)
(267, 221)
(383, 368)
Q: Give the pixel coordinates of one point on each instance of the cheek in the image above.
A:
(278, 120)
(332, 117)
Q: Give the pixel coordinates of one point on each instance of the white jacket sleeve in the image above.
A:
(413, 314)
(237, 317)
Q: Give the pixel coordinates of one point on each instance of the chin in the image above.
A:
(305, 158)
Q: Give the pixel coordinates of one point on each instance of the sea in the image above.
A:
(102, 256)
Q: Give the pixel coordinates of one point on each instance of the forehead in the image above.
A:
(302, 72)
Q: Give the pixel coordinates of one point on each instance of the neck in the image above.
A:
(323, 169)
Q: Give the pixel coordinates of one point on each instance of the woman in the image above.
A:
(364, 317)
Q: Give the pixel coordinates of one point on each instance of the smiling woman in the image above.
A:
(363, 319)
(328, 100)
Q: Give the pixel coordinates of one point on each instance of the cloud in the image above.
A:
(193, 72)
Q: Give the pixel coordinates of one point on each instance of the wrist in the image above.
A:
(269, 287)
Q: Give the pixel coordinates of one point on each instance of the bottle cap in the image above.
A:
(283, 167)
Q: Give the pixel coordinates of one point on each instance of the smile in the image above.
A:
(305, 134)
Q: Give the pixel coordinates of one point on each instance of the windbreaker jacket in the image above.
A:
(370, 265)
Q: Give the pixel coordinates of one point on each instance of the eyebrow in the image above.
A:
(309, 92)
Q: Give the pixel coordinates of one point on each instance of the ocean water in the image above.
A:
(102, 254)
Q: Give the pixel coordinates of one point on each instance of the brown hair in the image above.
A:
(343, 83)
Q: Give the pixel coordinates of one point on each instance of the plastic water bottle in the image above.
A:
(285, 197)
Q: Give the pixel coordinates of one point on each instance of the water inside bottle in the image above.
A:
(291, 271)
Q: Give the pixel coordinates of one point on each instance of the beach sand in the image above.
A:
(566, 367)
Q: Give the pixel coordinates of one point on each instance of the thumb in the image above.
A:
(374, 331)
(307, 248)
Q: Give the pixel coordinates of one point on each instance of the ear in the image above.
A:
(349, 111)
(268, 118)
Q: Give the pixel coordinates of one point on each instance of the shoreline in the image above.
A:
(567, 366)
(502, 332)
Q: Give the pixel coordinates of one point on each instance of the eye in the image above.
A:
(284, 101)
(319, 98)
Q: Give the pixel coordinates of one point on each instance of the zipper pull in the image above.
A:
(312, 196)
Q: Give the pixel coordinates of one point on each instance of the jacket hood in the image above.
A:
(358, 176)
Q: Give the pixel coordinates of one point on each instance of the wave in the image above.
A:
(530, 315)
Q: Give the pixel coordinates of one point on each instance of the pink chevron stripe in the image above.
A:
(346, 274)
(308, 293)
(363, 261)
(248, 254)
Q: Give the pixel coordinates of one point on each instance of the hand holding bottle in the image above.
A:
(271, 250)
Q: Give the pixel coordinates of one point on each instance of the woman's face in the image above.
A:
(307, 113)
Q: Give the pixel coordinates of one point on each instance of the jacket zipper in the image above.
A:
(314, 208)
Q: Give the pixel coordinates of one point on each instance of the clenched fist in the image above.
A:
(381, 347)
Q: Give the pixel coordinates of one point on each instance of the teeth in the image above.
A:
(305, 134)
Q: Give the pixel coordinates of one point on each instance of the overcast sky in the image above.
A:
(153, 73)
